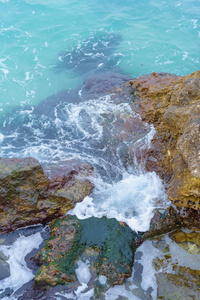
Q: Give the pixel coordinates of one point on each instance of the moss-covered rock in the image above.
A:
(70, 237)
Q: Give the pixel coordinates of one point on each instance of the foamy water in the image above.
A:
(131, 200)
(16, 251)
(50, 53)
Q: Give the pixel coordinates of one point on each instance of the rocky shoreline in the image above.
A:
(30, 194)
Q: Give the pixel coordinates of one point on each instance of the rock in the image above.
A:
(182, 284)
(188, 240)
(4, 266)
(172, 104)
(103, 83)
(22, 184)
(21, 179)
(189, 217)
(28, 195)
(163, 221)
(114, 242)
(67, 185)
(166, 270)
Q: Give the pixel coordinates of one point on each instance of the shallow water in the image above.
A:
(59, 64)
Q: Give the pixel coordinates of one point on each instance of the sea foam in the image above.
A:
(131, 200)
(16, 253)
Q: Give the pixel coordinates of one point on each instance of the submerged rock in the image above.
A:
(92, 54)
(4, 266)
(167, 269)
(114, 244)
(183, 283)
(29, 196)
(172, 104)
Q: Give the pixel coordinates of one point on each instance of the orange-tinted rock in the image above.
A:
(172, 104)
(30, 196)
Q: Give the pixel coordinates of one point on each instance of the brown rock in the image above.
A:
(181, 236)
(29, 196)
(172, 104)
(163, 222)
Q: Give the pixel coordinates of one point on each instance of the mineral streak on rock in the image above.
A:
(28, 196)
(172, 104)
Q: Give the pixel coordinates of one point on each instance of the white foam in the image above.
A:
(84, 296)
(27, 76)
(185, 55)
(16, 253)
(5, 71)
(148, 274)
(1, 137)
(194, 23)
(119, 290)
(131, 200)
(139, 146)
(77, 295)
(83, 272)
(102, 279)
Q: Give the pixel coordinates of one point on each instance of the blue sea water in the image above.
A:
(149, 35)
(50, 53)
(49, 48)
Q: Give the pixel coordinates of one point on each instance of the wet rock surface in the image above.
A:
(29, 196)
(114, 244)
(4, 266)
(163, 221)
(182, 284)
(172, 104)
(174, 279)
(163, 269)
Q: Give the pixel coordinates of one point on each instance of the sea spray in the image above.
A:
(131, 200)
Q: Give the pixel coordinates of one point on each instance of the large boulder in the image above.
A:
(172, 104)
(115, 244)
(22, 184)
(28, 195)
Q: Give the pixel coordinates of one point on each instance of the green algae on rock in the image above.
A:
(115, 242)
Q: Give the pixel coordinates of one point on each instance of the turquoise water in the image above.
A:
(161, 36)
(57, 60)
